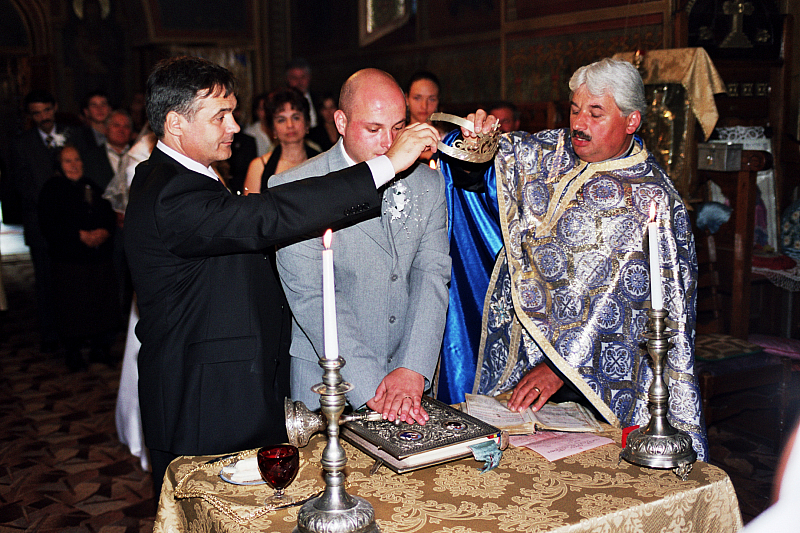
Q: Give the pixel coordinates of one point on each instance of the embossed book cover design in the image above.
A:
(447, 435)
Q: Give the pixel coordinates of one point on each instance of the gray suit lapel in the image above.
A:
(372, 227)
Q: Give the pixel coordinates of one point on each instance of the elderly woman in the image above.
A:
(78, 224)
(288, 110)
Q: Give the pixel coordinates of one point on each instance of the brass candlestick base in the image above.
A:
(334, 511)
(659, 445)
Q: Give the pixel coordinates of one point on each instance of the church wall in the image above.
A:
(485, 50)
(482, 50)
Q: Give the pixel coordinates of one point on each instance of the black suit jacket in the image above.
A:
(214, 363)
(96, 165)
(243, 151)
(32, 164)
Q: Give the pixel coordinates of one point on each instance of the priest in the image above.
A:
(564, 315)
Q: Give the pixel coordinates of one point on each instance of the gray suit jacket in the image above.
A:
(391, 277)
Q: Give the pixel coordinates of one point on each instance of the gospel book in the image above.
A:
(446, 436)
(567, 416)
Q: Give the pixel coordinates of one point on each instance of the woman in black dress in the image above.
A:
(288, 110)
(78, 225)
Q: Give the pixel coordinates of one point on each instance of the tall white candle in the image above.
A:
(329, 300)
(656, 295)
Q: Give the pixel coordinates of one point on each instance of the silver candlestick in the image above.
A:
(659, 445)
(334, 511)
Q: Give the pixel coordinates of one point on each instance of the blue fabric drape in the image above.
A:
(475, 240)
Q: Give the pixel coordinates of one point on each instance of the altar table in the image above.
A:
(588, 492)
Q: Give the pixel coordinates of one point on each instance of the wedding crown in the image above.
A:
(477, 150)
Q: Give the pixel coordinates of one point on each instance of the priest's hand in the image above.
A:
(483, 124)
(399, 396)
(410, 143)
(537, 385)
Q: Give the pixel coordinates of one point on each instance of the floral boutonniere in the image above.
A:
(397, 200)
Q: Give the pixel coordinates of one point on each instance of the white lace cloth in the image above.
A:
(752, 138)
(785, 279)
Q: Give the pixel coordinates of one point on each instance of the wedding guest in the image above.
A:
(260, 127)
(119, 126)
(287, 110)
(422, 98)
(298, 76)
(92, 141)
(507, 116)
(325, 134)
(33, 158)
(212, 314)
(78, 224)
(95, 109)
(118, 134)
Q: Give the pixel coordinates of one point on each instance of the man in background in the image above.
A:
(33, 162)
(118, 133)
(118, 137)
(95, 109)
(507, 115)
(298, 75)
(391, 272)
(92, 139)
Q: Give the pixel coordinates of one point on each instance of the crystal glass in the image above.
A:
(278, 466)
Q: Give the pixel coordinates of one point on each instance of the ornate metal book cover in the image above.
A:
(446, 428)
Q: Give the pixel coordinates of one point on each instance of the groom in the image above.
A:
(391, 273)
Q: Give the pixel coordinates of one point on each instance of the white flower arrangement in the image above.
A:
(397, 200)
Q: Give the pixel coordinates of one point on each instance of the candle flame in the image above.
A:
(326, 239)
(652, 212)
(432, 164)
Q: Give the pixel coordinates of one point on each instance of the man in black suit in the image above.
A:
(298, 75)
(214, 363)
(96, 109)
(91, 141)
(33, 162)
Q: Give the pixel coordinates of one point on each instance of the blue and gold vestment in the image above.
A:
(572, 281)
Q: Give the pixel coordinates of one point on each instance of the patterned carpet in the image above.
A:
(61, 465)
(63, 469)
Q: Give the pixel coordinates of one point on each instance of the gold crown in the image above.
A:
(477, 150)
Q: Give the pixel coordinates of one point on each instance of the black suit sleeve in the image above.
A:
(22, 175)
(197, 217)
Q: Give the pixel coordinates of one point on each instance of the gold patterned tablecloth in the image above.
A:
(588, 492)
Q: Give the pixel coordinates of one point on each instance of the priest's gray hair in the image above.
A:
(619, 78)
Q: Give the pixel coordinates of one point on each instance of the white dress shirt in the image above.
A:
(186, 161)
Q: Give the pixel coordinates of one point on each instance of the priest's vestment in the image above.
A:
(572, 282)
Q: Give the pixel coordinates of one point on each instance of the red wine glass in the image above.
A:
(278, 466)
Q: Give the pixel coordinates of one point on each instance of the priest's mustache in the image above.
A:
(577, 134)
